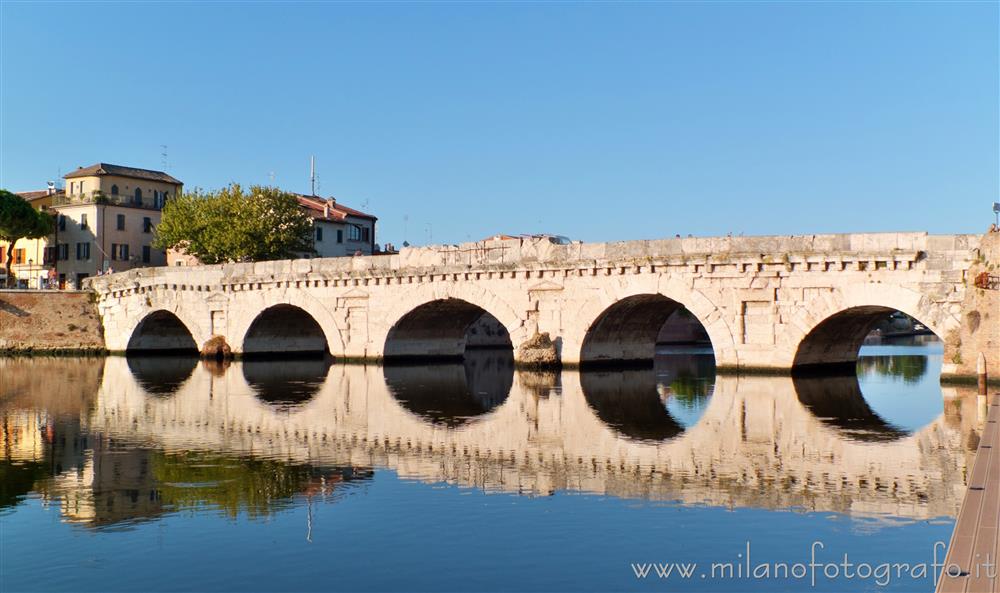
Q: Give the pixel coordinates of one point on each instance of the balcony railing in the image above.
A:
(97, 197)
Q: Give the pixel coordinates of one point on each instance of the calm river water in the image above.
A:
(162, 474)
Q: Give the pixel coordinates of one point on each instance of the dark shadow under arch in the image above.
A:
(161, 332)
(629, 331)
(833, 345)
(444, 329)
(455, 394)
(285, 330)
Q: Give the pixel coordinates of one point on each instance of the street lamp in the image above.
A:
(996, 214)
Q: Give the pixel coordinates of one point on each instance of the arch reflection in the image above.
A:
(455, 394)
(161, 376)
(654, 404)
(286, 384)
(837, 401)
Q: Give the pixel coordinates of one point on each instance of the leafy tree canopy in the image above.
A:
(18, 220)
(233, 225)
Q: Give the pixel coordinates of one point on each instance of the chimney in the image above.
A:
(51, 189)
(326, 211)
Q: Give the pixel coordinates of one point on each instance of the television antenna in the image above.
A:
(163, 156)
(270, 176)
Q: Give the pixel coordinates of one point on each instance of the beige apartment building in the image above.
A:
(105, 220)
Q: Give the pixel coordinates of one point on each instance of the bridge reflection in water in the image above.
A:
(132, 438)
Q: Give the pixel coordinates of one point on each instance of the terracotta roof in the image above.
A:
(118, 170)
(316, 207)
(30, 196)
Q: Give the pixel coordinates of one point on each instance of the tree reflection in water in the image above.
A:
(911, 368)
(235, 485)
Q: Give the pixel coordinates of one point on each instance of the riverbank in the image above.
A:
(45, 322)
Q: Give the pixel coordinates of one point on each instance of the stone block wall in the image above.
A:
(980, 320)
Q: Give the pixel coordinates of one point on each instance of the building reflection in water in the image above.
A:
(126, 440)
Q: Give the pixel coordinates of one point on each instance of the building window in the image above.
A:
(319, 233)
(364, 234)
(19, 257)
(355, 232)
(340, 235)
(146, 254)
(49, 256)
(83, 251)
(114, 190)
(83, 222)
(63, 251)
(62, 222)
(147, 224)
(121, 222)
(119, 252)
(138, 197)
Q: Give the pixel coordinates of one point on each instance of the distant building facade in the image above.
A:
(337, 229)
(105, 220)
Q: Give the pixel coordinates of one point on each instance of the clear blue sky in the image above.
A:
(598, 121)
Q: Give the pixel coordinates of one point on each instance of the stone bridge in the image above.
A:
(764, 302)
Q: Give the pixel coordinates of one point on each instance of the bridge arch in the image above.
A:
(431, 322)
(284, 330)
(274, 327)
(162, 332)
(832, 329)
(623, 325)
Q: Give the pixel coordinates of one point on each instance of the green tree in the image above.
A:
(233, 225)
(18, 220)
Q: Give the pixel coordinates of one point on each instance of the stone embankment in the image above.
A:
(980, 328)
(35, 321)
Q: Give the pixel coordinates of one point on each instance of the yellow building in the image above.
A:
(32, 257)
(105, 218)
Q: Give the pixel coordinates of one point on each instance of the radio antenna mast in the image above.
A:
(312, 176)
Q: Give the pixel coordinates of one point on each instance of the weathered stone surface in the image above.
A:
(979, 331)
(539, 351)
(765, 302)
(216, 348)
